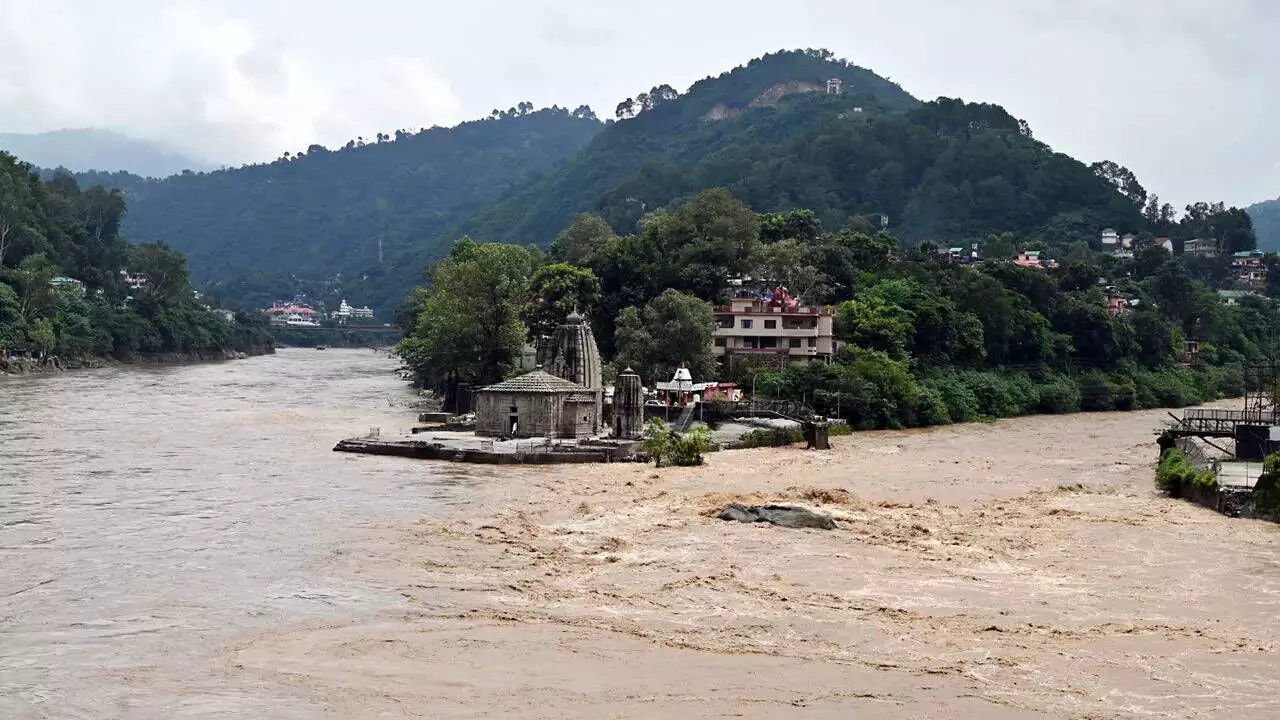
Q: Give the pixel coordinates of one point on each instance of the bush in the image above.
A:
(687, 449)
(1175, 474)
(838, 428)
(931, 408)
(962, 404)
(1266, 492)
(1096, 392)
(1059, 395)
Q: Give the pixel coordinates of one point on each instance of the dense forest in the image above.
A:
(71, 287)
(1266, 223)
(925, 339)
(348, 222)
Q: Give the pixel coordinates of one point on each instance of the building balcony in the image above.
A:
(761, 332)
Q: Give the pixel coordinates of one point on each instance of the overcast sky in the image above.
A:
(1184, 92)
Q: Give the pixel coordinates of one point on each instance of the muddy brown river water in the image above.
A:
(146, 514)
(182, 543)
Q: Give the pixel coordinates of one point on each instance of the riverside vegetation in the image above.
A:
(926, 341)
(62, 291)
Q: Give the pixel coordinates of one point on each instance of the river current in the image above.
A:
(150, 516)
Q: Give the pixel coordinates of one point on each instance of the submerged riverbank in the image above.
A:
(31, 366)
(1023, 568)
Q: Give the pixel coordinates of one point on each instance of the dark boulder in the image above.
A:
(782, 515)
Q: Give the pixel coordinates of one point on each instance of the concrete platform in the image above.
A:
(468, 447)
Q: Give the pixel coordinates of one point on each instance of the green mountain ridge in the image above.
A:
(325, 213)
(768, 131)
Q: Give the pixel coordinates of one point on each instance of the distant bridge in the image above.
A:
(344, 328)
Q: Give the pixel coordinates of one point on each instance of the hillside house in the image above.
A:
(1201, 247)
(1249, 270)
(777, 328)
(1110, 238)
(1029, 259)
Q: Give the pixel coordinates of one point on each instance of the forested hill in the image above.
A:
(321, 213)
(72, 287)
(730, 130)
(1266, 223)
(944, 170)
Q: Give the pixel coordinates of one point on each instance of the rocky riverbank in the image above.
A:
(1024, 568)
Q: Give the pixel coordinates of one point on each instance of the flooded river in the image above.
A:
(148, 515)
(181, 542)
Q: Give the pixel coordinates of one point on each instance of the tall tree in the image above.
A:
(674, 329)
(469, 329)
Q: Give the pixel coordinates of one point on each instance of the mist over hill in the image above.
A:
(85, 149)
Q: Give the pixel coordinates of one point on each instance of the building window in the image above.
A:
(795, 342)
(769, 342)
(719, 342)
(770, 324)
(515, 409)
(812, 342)
(746, 324)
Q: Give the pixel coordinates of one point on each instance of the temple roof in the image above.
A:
(537, 381)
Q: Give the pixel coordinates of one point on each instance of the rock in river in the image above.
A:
(785, 515)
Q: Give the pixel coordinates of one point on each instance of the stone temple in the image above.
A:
(565, 402)
(537, 404)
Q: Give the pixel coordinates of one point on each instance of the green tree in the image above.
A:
(675, 329)
(13, 326)
(469, 330)
(584, 236)
(554, 292)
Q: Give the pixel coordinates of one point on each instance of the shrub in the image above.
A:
(1175, 474)
(1096, 392)
(1266, 492)
(687, 449)
(931, 408)
(838, 428)
(1058, 395)
(657, 440)
(962, 404)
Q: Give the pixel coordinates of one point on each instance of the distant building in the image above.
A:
(225, 314)
(345, 312)
(67, 284)
(1233, 297)
(290, 315)
(1110, 238)
(1165, 243)
(1128, 240)
(1249, 270)
(1201, 247)
(835, 86)
(133, 281)
(777, 329)
(1029, 259)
